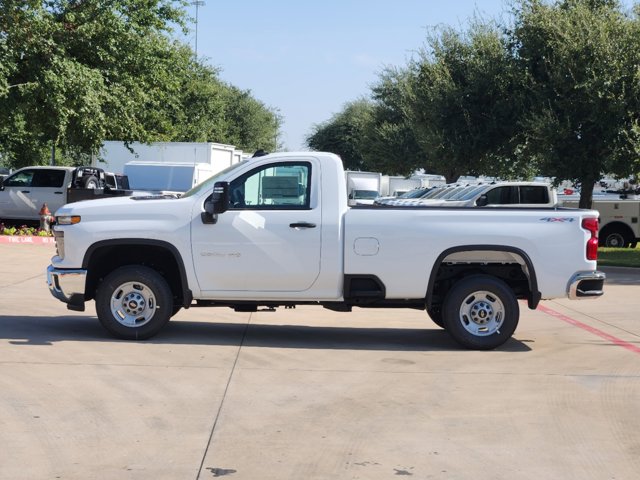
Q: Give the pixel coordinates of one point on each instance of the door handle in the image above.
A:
(302, 225)
(58, 193)
(25, 191)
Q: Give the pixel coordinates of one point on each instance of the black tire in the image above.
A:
(435, 314)
(90, 182)
(480, 312)
(615, 238)
(149, 302)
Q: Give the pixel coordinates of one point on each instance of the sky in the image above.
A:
(308, 59)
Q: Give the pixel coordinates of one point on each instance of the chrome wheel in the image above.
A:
(482, 313)
(133, 304)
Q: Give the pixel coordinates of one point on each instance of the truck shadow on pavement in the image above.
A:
(50, 330)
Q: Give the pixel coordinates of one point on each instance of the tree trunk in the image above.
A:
(586, 193)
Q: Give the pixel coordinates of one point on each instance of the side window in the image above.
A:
(20, 179)
(534, 194)
(502, 196)
(48, 178)
(283, 186)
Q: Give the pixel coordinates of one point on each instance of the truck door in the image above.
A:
(26, 190)
(268, 240)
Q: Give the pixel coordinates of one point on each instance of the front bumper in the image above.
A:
(586, 285)
(67, 285)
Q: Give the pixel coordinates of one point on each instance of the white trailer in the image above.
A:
(114, 155)
(172, 177)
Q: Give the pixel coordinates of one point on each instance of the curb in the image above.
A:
(9, 239)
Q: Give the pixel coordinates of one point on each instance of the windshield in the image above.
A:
(365, 194)
(467, 193)
(417, 193)
(208, 183)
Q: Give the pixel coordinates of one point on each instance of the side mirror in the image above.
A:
(220, 197)
(219, 203)
(482, 201)
(1, 184)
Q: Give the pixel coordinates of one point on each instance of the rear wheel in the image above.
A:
(615, 238)
(480, 312)
(134, 302)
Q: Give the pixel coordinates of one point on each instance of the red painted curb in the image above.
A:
(27, 240)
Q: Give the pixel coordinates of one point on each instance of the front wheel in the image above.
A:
(480, 312)
(134, 302)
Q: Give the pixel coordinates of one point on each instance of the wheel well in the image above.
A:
(102, 260)
(509, 265)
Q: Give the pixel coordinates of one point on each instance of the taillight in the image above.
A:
(591, 225)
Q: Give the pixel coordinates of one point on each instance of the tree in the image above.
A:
(389, 144)
(344, 133)
(75, 73)
(464, 102)
(83, 71)
(250, 125)
(580, 59)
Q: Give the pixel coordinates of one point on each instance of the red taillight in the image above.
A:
(591, 224)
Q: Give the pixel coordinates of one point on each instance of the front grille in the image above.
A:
(59, 236)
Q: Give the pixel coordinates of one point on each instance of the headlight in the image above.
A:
(68, 219)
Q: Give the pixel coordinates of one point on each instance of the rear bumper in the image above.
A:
(67, 286)
(585, 285)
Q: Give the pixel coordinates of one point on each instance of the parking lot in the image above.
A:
(312, 394)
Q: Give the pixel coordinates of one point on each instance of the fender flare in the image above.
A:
(534, 295)
(187, 295)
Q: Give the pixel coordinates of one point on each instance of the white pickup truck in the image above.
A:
(23, 193)
(277, 231)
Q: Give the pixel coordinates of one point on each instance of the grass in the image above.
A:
(619, 257)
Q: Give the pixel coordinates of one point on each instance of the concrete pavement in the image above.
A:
(309, 393)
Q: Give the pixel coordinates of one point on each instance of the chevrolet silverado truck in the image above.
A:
(277, 231)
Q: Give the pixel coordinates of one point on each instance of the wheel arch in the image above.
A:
(103, 257)
(533, 295)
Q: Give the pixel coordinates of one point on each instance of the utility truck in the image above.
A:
(619, 218)
(277, 231)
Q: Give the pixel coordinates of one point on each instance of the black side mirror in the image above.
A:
(218, 203)
(1, 183)
(482, 201)
(220, 197)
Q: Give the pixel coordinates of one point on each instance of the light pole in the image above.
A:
(198, 4)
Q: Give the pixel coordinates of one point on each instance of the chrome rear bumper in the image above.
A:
(586, 285)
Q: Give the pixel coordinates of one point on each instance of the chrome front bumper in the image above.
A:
(67, 286)
(586, 285)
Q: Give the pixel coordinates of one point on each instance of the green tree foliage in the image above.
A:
(75, 73)
(464, 102)
(344, 133)
(581, 59)
(250, 125)
(389, 144)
